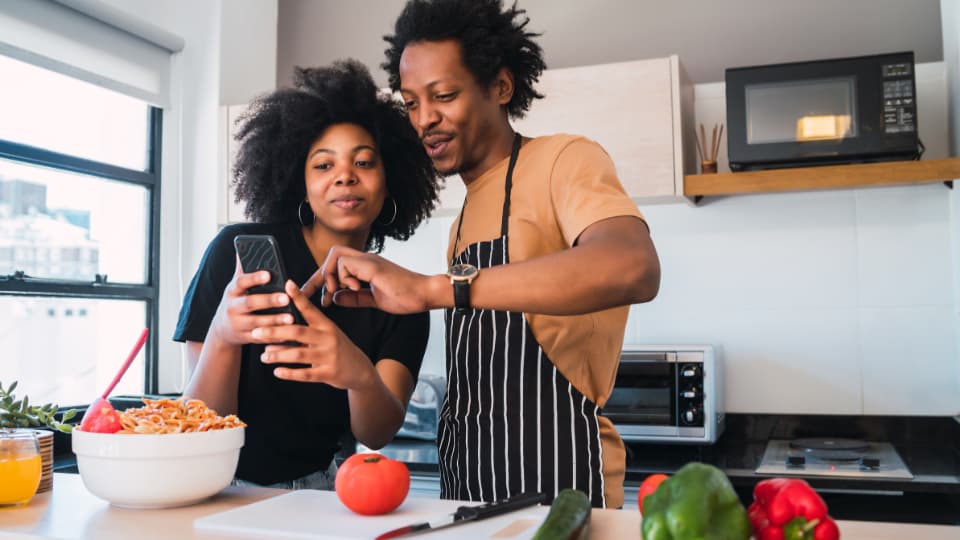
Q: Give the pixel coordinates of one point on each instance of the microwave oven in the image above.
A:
(668, 394)
(845, 110)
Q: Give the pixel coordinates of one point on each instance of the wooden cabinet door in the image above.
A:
(627, 107)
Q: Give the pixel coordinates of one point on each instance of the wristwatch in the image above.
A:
(461, 276)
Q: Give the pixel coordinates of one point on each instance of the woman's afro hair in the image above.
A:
(278, 129)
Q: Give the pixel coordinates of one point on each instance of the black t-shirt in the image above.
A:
(293, 428)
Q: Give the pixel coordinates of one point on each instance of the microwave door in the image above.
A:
(644, 394)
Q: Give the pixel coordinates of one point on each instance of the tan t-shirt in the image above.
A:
(562, 184)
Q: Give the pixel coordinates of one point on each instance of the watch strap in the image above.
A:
(461, 294)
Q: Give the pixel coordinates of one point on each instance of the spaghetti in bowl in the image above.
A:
(169, 453)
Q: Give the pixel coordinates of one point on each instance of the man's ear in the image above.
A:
(503, 86)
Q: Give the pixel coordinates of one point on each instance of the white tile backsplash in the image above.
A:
(909, 360)
(903, 246)
(955, 249)
(759, 251)
(774, 360)
(792, 288)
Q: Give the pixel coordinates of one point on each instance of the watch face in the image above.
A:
(463, 271)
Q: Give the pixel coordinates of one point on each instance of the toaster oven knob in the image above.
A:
(691, 416)
(690, 372)
(689, 394)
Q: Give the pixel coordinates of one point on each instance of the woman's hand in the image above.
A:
(234, 321)
(329, 355)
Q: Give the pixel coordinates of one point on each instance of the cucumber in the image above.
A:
(569, 517)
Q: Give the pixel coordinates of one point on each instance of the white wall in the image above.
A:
(217, 63)
(832, 302)
(248, 49)
(950, 16)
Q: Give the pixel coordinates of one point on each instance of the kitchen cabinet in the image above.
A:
(641, 112)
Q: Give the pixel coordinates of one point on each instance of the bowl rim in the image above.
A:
(94, 434)
(156, 445)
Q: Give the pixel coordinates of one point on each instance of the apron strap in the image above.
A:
(504, 226)
(514, 153)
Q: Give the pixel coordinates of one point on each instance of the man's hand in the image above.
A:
(329, 354)
(393, 288)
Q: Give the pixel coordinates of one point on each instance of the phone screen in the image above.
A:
(260, 252)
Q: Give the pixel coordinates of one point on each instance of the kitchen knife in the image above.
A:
(465, 514)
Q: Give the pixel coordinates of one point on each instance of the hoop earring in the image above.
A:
(394, 216)
(306, 222)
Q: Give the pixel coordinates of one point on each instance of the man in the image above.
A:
(545, 258)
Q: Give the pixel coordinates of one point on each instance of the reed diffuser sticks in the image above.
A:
(708, 161)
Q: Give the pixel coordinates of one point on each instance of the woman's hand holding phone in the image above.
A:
(327, 353)
(236, 315)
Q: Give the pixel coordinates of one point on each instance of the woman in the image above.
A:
(325, 163)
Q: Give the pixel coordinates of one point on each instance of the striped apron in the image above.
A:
(510, 421)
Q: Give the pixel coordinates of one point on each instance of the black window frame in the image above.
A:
(100, 288)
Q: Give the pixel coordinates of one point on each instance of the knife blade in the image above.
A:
(468, 513)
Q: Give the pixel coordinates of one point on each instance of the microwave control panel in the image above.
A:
(690, 400)
(899, 103)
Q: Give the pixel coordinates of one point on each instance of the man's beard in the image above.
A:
(456, 169)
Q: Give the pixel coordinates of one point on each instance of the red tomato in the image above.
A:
(648, 486)
(371, 484)
(101, 417)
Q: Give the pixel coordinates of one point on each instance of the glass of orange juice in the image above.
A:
(19, 466)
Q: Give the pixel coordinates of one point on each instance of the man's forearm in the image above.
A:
(604, 271)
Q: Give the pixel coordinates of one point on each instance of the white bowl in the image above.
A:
(157, 471)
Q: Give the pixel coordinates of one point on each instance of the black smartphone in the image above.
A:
(259, 252)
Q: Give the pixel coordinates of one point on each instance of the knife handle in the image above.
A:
(496, 508)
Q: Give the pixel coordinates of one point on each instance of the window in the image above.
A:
(79, 234)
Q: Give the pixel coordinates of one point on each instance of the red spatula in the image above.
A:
(101, 417)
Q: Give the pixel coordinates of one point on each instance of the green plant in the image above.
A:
(18, 413)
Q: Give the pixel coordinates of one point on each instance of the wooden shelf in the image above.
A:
(826, 177)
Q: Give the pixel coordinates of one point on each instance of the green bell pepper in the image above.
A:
(696, 503)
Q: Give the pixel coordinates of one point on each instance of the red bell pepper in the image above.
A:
(789, 509)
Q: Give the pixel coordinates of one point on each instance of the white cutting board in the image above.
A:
(319, 515)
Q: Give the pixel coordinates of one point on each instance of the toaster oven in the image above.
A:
(668, 394)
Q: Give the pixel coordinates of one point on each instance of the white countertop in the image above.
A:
(71, 512)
